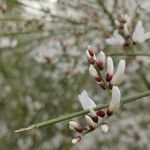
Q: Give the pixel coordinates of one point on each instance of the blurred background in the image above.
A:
(43, 69)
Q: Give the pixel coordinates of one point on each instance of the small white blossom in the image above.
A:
(118, 76)
(110, 69)
(86, 101)
(116, 39)
(115, 100)
(138, 35)
(104, 127)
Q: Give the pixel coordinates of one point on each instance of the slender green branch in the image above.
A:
(129, 54)
(83, 112)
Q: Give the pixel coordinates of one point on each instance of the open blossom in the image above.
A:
(115, 100)
(146, 6)
(118, 76)
(116, 39)
(138, 35)
(86, 101)
(110, 69)
(100, 60)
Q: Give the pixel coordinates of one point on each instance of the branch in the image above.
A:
(79, 113)
(129, 54)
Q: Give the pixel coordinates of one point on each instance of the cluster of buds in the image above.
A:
(94, 118)
(105, 78)
(124, 35)
(98, 118)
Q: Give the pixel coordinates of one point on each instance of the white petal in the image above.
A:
(86, 101)
(104, 128)
(147, 36)
(115, 100)
(110, 66)
(138, 34)
(116, 39)
(73, 124)
(92, 112)
(92, 71)
(118, 76)
(76, 140)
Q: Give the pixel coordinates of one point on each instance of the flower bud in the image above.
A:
(91, 123)
(110, 69)
(76, 140)
(75, 126)
(90, 51)
(100, 113)
(104, 127)
(115, 100)
(93, 73)
(100, 61)
(119, 73)
(93, 115)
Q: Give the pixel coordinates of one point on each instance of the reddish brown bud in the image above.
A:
(91, 60)
(100, 113)
(97, 78)
(108, 77)
(100, 65)
(79, 129)
(95, 119)
(109, 112)
(91, 52)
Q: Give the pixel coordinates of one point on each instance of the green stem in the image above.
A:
(83, 112)
(129, 54)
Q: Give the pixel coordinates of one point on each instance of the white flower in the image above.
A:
(86, 101)
(104, 127)
(146, 6)
(138, 35)
(119, 73)
(110, 69)
(116, 39)
(76, 140)
(100, 60)
(115, 100)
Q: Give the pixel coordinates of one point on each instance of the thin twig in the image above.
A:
(79, 113)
